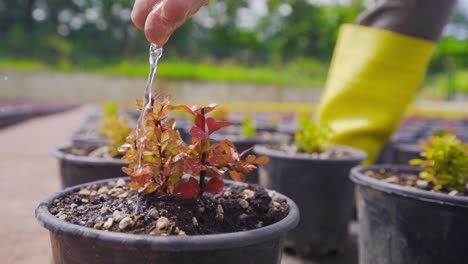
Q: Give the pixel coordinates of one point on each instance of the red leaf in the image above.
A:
(215, 184)
(189, 189)
(200, 121)
(236, 176)
(193, 166)
(198, 133)
(214, 125)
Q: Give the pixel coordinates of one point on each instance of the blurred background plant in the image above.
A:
(114, 126)
(310, 136)
(248, 127)
(286, 42)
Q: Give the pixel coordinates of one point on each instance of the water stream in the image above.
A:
(155, 54)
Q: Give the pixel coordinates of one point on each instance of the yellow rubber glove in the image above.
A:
(373, 77)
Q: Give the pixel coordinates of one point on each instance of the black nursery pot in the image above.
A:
(406, 225)
(73, 244)
(323, 192)
(83, 139)
(406, 152)
(76, 170)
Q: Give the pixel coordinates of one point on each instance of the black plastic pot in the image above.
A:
(76, 170)
(73, 244)
(406, 152)
(244, 143)
(87, 139)
(323, 192)
(87, 135)
(405, 225)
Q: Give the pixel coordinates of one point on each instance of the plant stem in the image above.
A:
(202, 176)
(203, 159)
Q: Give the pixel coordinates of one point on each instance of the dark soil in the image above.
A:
(116, 208)
(409, 179)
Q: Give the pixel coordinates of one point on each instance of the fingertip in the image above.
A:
(153, 37)
(156, 31)
(137, 20)
(140, 12)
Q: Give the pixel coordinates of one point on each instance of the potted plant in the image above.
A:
(93, 161)
(162, 217)
(246, 136)
(415, 214)
(315, 175)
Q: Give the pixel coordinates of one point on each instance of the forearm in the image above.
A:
(417, 18)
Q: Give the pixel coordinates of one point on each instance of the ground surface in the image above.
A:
(29, 174)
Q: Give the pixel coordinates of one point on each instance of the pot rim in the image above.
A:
(165, 243)
(357, 176)
(408, 147)
(77, 137)
(357, 154)
(278, 136)
(60, 154)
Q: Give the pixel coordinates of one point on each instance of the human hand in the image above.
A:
(161, 21)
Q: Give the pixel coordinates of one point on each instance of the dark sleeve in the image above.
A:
(418, 18)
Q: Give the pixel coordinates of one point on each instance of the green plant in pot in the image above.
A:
(92, 131)
(90, 162)
(316, 176)
(245, 137)
(415, 214)
(177, 207)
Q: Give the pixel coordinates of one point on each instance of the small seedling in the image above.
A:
(248, 127)
(444, 162)
(311, 137)
(114, 127)
(274, 121)
(165, 157)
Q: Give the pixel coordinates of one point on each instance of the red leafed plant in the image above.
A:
(157, 157)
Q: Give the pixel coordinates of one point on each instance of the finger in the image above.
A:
(168, 16)
(140, 12)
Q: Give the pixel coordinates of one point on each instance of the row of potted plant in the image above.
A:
(306, 169)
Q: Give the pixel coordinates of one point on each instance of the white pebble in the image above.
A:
(194, 221)
(84, 192)
(220, 209)
(103, 190)
(248, 193)
(120, 183)
(273, 195)
(422, 184)
(126, 222)
(118, 216)
(108, 224)
(243, 203)
(162, 223)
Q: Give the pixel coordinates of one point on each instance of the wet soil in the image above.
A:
(114, 207)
